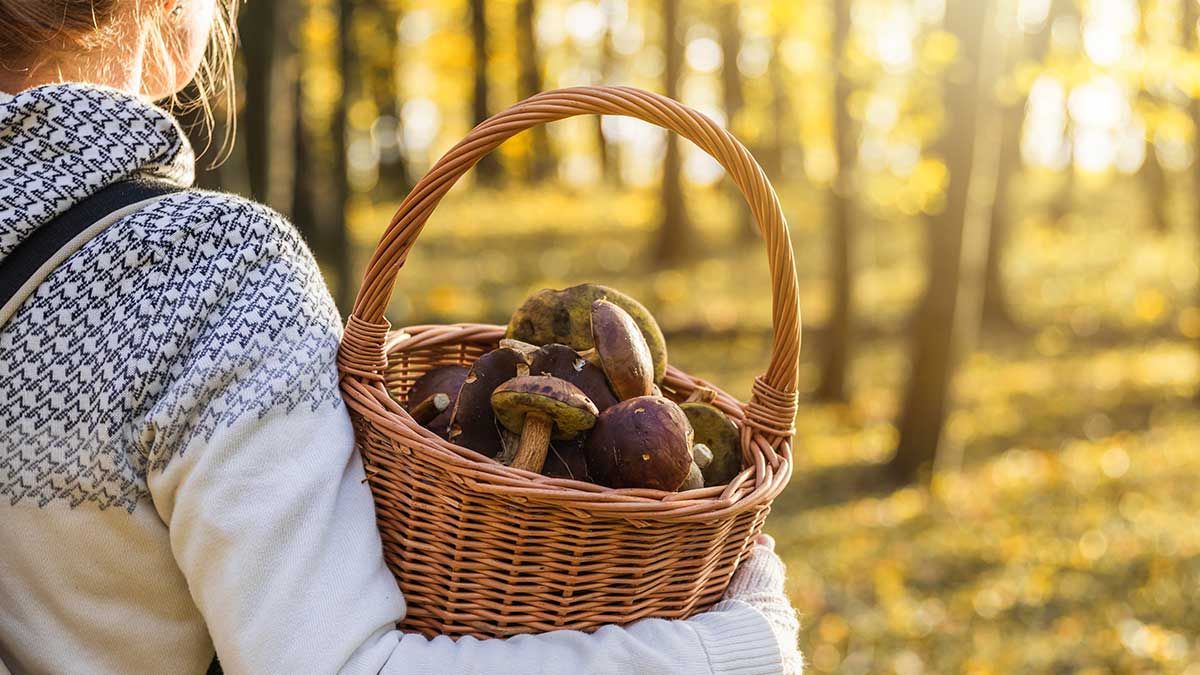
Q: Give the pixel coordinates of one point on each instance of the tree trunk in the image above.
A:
(996, 312)
(341, 259)
(675, 232)
(837, 347)
(302, 208)
(733, 99)
(487, 170)
(607, 154)
(540, 163)
(394, 177)
(1151, 174)
(1064, 202)
(934, 341)
(1191, 40)
(772, 157)
(267, 113)
(1154, 187)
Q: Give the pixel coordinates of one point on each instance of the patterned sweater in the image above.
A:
(177, 469)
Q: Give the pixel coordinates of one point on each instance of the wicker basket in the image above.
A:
(486, 550)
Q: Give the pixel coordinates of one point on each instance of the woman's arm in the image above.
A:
(254, 470)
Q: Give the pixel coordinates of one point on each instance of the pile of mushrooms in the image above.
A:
(572, 392)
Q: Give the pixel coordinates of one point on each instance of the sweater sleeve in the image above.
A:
(253, 468)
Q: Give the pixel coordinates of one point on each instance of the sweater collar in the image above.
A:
(61, 143)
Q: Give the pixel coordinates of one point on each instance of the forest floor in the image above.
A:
(1061, 537)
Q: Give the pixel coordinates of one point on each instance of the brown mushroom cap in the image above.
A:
(570, 411)
(473, 425)
(717, 432)
(622, 351)
(564, 316)
(644, 442)
(566, 364)
(441, 380)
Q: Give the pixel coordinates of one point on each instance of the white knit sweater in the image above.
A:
(177, 468)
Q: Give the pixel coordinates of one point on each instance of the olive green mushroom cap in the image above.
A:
(718, 434)
(570, 411)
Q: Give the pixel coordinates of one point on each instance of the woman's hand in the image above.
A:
(758, 582)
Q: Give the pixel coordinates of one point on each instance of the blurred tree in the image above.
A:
(607, 154)
(1066, 24)
(1150, 173)
(268, 114)
(675, 231)
(303, 209)
(934, 328)
(772, 154)
(832, 386)
(487, 171)
(733, 97)
(381, 62)
(540, 162)
(1191, 42)
(997, 314)
(337, 231)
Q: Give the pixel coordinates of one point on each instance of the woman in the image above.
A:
(177, 469)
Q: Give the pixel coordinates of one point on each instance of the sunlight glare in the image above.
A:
(416, 26)
(893, 40)
(1108, 29)
(627, 38)
(1131, 147)
(700, 168)
(1031, 14)
(704, 55)
(421, 121)
(585, 22)
(1045, 123)
(930, 11)
(753, 58)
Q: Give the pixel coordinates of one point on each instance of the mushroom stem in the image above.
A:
(535, 441)
(523, 348)
(702, 395)
(430, 408)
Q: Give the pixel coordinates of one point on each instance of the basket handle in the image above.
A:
(773, 402)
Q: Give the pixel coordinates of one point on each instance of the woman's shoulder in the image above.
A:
(213, 249)
(215, 217)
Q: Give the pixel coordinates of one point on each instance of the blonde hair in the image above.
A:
(36, 29)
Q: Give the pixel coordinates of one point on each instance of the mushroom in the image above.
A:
(621, 351)
(540, 407)
(473, 424)
(427, 410)
(564, 316)
(694, 480)
(719, 436)
(567, 459)
(701, 455)
(431, 398)
(644, 442)
(566, 364)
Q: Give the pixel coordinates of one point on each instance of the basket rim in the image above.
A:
(765, 477)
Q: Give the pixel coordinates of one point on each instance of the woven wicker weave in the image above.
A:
(483, 549)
